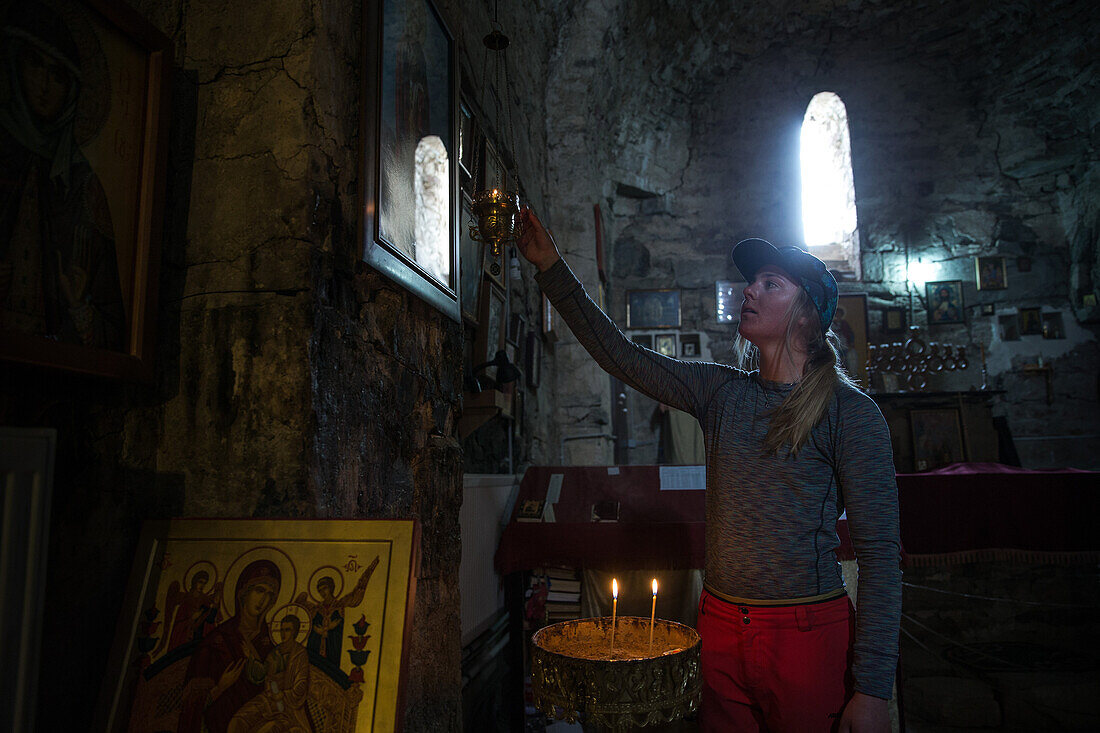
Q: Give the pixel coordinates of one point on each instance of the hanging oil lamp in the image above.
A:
(496, 207)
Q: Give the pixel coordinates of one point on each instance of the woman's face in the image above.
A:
(257, 599)
(768, 302)
(45, 83)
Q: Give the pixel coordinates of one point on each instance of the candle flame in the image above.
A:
(654, 586)
(614, 588)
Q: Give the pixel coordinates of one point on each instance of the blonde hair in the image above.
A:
(806, 404)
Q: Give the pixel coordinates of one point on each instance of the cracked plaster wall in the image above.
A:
(974, 129)
(291, 381)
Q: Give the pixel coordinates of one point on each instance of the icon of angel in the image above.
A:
(189, 614)
(327, 608)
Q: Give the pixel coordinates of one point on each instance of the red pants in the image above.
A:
(774, 668)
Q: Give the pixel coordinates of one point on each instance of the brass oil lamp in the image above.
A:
(496, 207)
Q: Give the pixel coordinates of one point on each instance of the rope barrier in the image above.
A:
(1000, 600)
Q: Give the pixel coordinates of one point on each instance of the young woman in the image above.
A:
(790, 445)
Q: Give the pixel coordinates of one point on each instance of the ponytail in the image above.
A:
(803, 408)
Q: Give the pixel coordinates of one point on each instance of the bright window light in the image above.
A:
(828, 191)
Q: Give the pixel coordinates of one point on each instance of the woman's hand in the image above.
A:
(865, 714)
(535, 244)
(231, 674)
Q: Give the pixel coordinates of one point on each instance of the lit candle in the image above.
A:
(614, 608)
(652, 614)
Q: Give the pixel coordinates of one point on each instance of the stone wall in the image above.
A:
(972, 134)
(291, 381)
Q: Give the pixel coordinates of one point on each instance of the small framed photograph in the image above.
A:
(689, 346)
(988, 309)
(643, 339)
(894, 321)
(1053, 328)
(989, 272)
(533, 361)
(665, 344)
(945, 302)
(1031, 322)
(658, 308)
(937, 438)
(1010, 327)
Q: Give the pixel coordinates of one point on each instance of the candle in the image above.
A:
(652, 614)
(614, 607)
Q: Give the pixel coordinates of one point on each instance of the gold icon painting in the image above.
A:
(258, 626)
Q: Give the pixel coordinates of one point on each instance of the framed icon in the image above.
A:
(945, 302)
(894, 321)
(989, 272)
(657, 308)
(937, 438)
(83, 156)
(408, 207)
(1031, 321)
(665, 344)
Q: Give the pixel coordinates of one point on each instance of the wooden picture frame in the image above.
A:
(80, 293)
(653, 308)
(1031, 321)
(850, 326)
(990, 273)
(945, 302)
(409, 104)
(937, 438)
(894, 321)
(665, 344)
(690, 346)
(184, 602)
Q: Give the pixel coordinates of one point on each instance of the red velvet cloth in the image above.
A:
(955, 508)
(975, 506)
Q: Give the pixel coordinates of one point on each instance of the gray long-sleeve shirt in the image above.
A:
(771, 521)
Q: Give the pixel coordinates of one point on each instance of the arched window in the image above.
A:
(828, 189)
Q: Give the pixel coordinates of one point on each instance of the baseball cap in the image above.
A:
(752, 254)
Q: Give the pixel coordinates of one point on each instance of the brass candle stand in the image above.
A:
(575, 676)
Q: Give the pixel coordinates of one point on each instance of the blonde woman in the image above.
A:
(790, 444)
